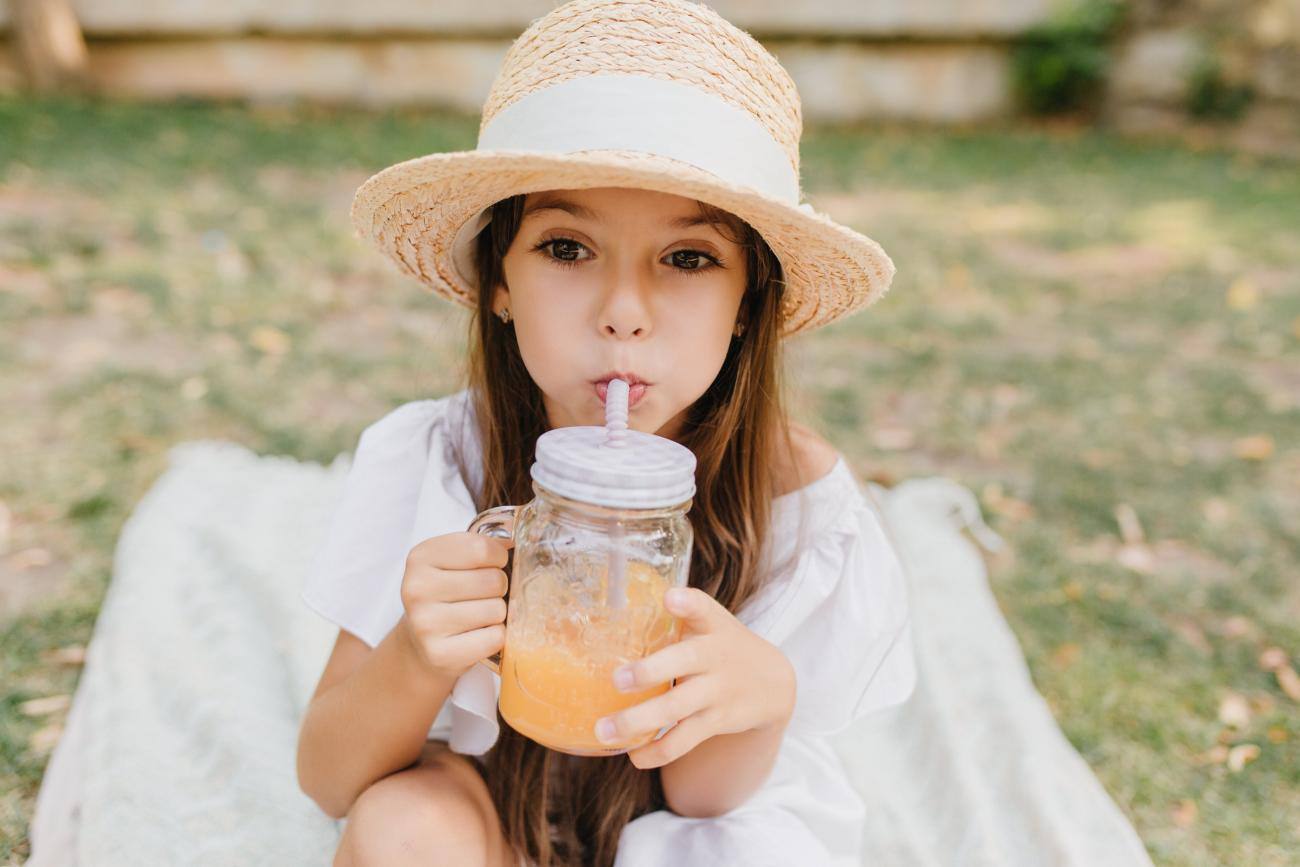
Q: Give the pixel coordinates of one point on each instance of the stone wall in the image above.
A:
(947, 19)
(1251, 47)
(944, 61)
(935, 61)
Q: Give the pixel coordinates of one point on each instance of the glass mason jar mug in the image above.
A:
(587, 583)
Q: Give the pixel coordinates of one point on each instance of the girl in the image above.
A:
(632, 210)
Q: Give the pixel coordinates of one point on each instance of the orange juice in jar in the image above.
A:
(602, 540)
(556, 682)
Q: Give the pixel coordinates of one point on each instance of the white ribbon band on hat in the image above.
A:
(649, 115)
(642, 114)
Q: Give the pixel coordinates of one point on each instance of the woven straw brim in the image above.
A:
(413, 210)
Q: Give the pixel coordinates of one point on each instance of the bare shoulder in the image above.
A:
(813, 457)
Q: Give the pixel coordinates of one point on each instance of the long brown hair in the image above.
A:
(555, 809)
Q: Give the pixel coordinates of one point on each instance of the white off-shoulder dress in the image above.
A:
(834, 601)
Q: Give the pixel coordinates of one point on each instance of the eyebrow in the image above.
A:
(555, 203)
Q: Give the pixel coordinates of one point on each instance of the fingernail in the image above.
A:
(605, 729)
(623, 677)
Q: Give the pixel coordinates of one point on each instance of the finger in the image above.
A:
(650, 716)
(698, 611)
(455, 585)
(680, 740)
(676, 660)
(461, 551)
(452, 618)
(473, 645)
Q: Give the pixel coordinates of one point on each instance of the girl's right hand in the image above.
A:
(454, 592)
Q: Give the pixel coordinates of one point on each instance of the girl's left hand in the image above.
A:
(728, 680)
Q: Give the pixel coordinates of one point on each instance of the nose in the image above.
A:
(625, 308)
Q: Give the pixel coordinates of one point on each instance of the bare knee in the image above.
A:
(426, 815)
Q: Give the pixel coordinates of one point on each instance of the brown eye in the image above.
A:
(565, 250)
(693, 261)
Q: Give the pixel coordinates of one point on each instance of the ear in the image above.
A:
(742, 310)
(500, 298)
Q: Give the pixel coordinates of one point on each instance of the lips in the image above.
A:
(634, 393)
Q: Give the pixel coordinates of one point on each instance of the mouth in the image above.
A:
(636, 388)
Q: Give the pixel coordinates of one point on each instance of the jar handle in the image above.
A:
(499, 523)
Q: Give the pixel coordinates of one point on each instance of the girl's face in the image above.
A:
(621, 281)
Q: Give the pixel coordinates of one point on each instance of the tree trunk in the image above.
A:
(47, 38)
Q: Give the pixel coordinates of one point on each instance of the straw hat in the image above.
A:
(662, 95)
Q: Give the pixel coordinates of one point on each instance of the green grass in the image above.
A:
(1078, 322)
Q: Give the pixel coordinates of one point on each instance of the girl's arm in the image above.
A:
(722, 772)
(372, 710)
(369, 717)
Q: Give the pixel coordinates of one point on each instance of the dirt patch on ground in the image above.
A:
(66, 348)
(1099, 266)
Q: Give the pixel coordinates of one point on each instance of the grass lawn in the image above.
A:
(1099, 337)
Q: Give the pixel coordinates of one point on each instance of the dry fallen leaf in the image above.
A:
(1273, 658)
(1138, 558)
(1185, 813)
(194, 388)
(1066, 655)
(1237, 627)
(73, 654)
(1242, 755)
(1005, 505)
(43, 740)
(1216, 511)
(269, 340)
(1276, 660)
(1243, 294)
(1234, 711)
(45, 706)
(232, 264)
(138, 442)
(957, 277)
(1277, 734)
(1262, 704)
(1254, 448)
(1289, 682)
(1073, 591)
(1215, 755)
(1130, 528)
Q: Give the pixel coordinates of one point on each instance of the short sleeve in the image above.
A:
(404, 486)
(355, 575)
(840, 613)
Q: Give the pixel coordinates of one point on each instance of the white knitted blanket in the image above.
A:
(179, 747)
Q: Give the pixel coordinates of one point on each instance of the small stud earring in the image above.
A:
(505, 315)
(739, 329)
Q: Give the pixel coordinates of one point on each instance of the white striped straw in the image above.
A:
(616, 413)
(616, 435)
